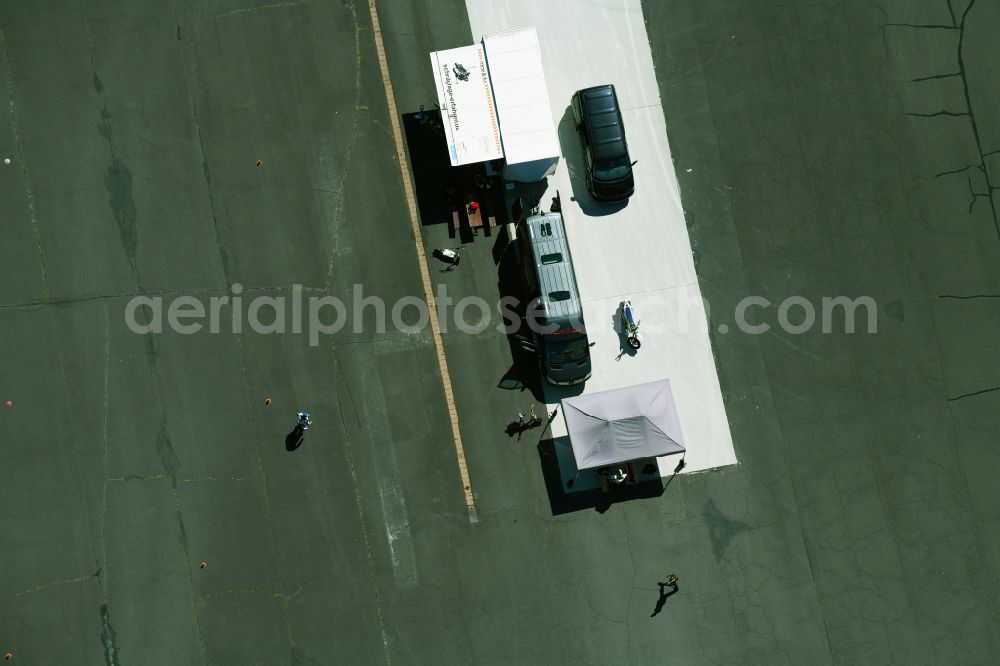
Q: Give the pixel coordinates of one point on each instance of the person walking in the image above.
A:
(662, 600)
(305, 420)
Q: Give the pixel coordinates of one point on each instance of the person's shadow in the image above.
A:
(514, 428)
(663, 596)
(293, 440)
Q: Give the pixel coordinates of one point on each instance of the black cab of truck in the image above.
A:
(605, 150)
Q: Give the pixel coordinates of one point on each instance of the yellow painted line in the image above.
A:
(404, 169)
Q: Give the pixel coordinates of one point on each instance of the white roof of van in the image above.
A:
(522, 99)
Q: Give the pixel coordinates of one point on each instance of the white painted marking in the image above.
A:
(397, 520)
(643, 251)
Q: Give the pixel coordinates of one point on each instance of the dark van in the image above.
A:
(555, 314)
(605, 151)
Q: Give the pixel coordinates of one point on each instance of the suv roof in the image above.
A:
(603, 122)
(553, 265)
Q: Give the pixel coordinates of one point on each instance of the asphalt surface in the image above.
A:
(860, 526)
(863, 519)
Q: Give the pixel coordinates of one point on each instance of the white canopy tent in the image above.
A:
(623, 424)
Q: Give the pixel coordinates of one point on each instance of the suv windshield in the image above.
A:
(567, 351)
(615, 169)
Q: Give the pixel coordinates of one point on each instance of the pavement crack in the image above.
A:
(248, 590)
(25, 178)
(932, 77)
(102, 522)
(961, 170)
(976, 195)
(356, 488)
(974, 393)
(199, 291)
(223, 257)
(118, 178)
(958, 24)
(95, 531)
(136, 477)
(972, 117)
(338, 208)
(265, 492)
(954, 114)
(55, 583)
(249, 10)
(108, 638)
(923, 26)
(190, 578)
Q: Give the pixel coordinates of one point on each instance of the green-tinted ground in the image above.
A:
(862, 524)
(868, 456)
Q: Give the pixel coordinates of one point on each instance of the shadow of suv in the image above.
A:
(605, 151)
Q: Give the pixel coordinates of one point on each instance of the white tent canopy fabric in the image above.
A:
(623, 424)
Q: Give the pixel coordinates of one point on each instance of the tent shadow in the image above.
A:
(562, 502)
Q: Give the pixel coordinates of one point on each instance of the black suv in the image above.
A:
(605, 150)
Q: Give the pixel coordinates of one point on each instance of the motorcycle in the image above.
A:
(631, 325)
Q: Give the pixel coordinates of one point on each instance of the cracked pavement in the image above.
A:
(822, 150)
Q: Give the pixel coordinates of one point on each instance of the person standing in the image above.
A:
(293, 440)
